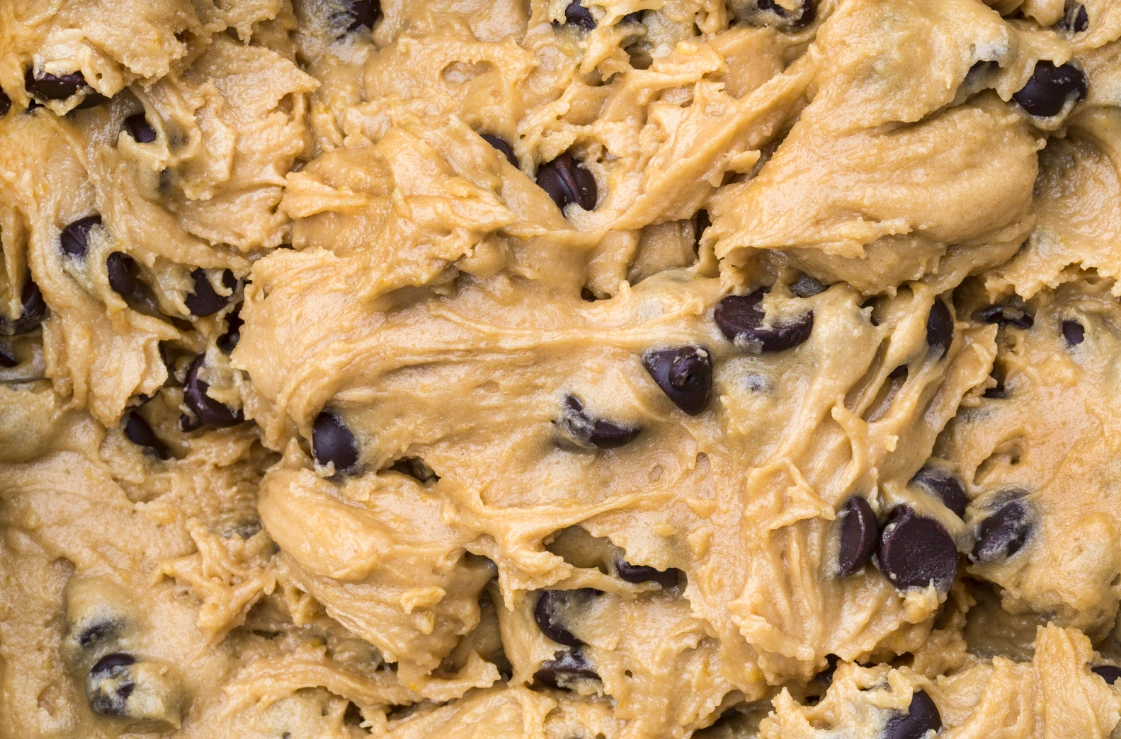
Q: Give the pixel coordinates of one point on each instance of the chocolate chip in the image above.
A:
(5, 103)
(97, 632)
(33, 311)
(825, 677)
(415, 468)
(922, 717)
(1005, 315)
(109, 685)
(551, 608)
(206, 409)
(332, 441)
(1109, 673)
(598, 433)
(364, 14)
(567, 181)
(939, 329)
(915, 550)
(111, 662)
(75, 237)
(140, 433)
(635, 17)
(228, 341)
(1003, 533)
(500, 144)
(740, 318)
(1075, 19)
(577, 15)
(204, 301)
(1073, 332)
(8, 358)
(701, 222)
(684, 375)
(770, 13)
(1050, 87)
(807, 286)
(859, 534)
(945, 485)
(563, 671)
(140, 129)
(122, 271)
(53, 87)
(643, 573)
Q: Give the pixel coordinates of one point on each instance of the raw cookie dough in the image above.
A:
(530, 368)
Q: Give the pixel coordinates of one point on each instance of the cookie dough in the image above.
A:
(536, 368)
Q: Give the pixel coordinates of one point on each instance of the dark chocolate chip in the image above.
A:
(740, 318)
(122, 271)
(922, 717)
(8, 358)
(643, 573)
(859, 534)
(1003, 533)
(945, 485)
(701, 222)
(577, 15)
(599, 433)
(112, 662)
(807, 286)
(1073, 332)
(5, 103)
(1005, 315)
(75, 237)
(97, 632)
(332, 441)
(1075, 19)
(206, 409)
(915, 550)
(825, 677)
(550, 610)
(415, 468)
(140, 433)
(1109, 673)
(1050, 87)
(500, 144)
(33, 311)
(53, 87)
(204, 301)
(939, 329)
(364, 13)
(140, 129)
(684, 375)
(109, 686)
(228, 341)
(561, 672)
(566, 181)
(800, 18)
(189, 423)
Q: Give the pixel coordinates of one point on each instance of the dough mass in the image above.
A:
(523, 368)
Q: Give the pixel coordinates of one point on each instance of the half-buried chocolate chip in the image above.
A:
(333, 442)
(139, 432)
(945, 485)
(563, 671)
(207, 410)
(577, 15)
(740, 318)
(363, 14)
(684, 375)
(1073, 332)
(1003, 533)
(5, 104)
(567, 181)
(502, 147)
(551, 610)
(205, 301)
(915, 551)
(644, 573)
(1049, 88)
(1005, 315)
(122, 271)
(109, 685)
(1109, 673)
(44, 86)
(228, 341)
(859, 534)
(771, 13)
(33, 311)
(598, 433)
(939, 329)
(75, 238)
(922, 717)
(140, 129)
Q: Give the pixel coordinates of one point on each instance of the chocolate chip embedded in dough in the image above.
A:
(504, 148)
(740, 318)
(122, 273)
(5, 103)
(97, 632)
(204, 301)
(577, 15)
(415, 468)
(1005, 315)
(825, 677)
(109, 685)
(140, 129)
(916, 550)
(807, 286)
(1050, 87)
(561, 672)
(596, 432)
(44, 86)
(684, 375)
(33, 310)
(75, 238)
(1075, 19)
(139, 432)
(939, 328)
(635, 17)
(922, 717)
(770, 13)
(1109, 673)
(207, 410)
(945, 485)
(859, 534)
(644, 573)
(228, 341)
(332, 442)
(1003, 533)
(8, 358)
(1073, 332)
(550, 610)
(365, 13)
(567, 181)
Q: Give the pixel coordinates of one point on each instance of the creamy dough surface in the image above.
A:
(530, 368)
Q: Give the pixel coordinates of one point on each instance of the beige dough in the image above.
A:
(331, 423)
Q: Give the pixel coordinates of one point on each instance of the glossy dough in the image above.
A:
(323, 419)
